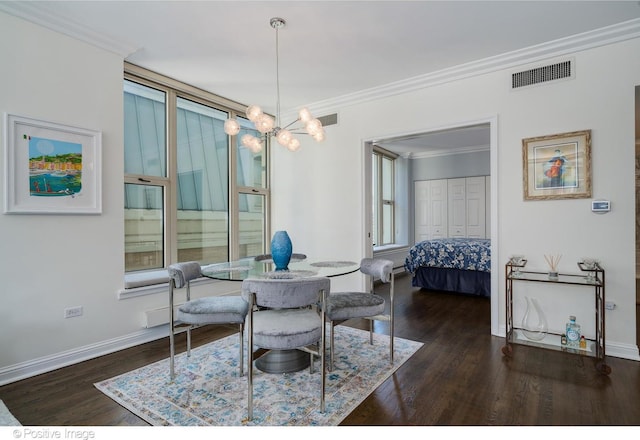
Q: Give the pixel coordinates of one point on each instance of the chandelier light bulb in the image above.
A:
(246, 140)
(257, 147)
(319, 136)
(249, 141)
(305, 115)
(313, 126)
(293, 144)
(284, 137)
(231, 127)
(253, 112)
(264, 123)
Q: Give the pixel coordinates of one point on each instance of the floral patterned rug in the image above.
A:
(6, 418)
(208, 391)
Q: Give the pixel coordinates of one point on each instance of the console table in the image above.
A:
(596, 281)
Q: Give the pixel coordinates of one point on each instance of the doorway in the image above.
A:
(387, 142)
(637, 105)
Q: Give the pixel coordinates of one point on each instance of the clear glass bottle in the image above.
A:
(573, 332)
(534, 323)
(583, 343)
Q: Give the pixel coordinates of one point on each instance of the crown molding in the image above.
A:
(57, 23)
(587, 40)
(600, 37)
(445, 152)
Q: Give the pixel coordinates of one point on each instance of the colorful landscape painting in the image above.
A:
(55, 167)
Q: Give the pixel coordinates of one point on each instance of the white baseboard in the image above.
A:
(397, 254)
(156, 321)
(14, 373)
(624, 351)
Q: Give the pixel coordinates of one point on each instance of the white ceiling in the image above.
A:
(328, 49)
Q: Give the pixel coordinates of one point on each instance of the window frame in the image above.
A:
(378, 155)
(173, 90)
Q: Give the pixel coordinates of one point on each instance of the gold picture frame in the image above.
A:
(557, 166)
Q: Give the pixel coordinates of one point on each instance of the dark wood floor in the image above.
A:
(459, 377)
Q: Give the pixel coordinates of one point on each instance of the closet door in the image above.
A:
(438, 209)
(457, 207)
(475, 207)
(430, 209)
(421, 206)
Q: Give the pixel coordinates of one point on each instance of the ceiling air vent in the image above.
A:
(329, 119)
(542, 74)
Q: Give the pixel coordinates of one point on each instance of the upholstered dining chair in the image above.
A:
(286, 314)
(201, 311)
(342, 306)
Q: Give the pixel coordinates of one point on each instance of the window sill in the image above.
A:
(149, 283)
(389, 247)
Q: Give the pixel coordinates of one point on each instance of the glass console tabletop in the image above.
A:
(298, 268)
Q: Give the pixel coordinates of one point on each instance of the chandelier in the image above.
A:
(267, 126)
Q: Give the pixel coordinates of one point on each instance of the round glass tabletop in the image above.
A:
(264, 268)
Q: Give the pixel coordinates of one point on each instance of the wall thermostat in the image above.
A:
(600, 206)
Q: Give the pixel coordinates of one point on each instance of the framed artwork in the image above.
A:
(51, 168)
(557, 166)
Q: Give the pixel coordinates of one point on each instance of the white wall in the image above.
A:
(54, 78)
(51, 262)
(317, 192)
(477, 163)
(317, 195)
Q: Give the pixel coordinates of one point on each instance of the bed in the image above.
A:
(461, 265)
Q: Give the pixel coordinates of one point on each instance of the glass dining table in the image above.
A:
(251, 267)
(279, 361)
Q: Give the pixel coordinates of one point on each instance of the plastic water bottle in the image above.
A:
(573, 332)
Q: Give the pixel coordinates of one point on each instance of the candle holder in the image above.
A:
(517, 261)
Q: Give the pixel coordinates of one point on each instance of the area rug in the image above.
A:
(6, 418)
(208, 390)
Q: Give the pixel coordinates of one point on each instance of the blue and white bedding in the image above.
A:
(450, 253)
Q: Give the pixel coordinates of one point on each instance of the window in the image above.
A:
(383, 178)
(188, 195)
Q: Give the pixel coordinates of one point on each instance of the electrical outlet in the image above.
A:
(72, 312)
(609, 305)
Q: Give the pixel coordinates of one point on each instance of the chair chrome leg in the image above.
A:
(391, 292)
(241, 358)
(323, 341)
(172, 373)
(189, 342)
(331, 346)
(171, 335)
(371, 331)
(250, 358)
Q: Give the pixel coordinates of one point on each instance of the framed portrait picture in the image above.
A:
(51, 168)
(557, 166)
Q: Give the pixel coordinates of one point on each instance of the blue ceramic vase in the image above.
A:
(281, 249)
